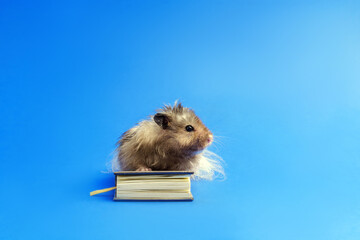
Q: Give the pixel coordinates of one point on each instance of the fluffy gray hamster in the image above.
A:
(173, 139)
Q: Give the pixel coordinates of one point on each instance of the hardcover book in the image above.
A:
(153, 185)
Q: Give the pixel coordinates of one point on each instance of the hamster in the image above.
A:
(172, 139)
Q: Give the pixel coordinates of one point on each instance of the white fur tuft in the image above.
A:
(112, 165)
(209, 166)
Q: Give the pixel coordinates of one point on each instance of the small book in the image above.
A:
(153, 185)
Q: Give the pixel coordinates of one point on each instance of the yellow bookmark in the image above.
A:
(101, 191)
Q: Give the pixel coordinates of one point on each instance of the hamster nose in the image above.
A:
(210, 138)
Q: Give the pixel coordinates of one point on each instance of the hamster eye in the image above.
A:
(189, 128)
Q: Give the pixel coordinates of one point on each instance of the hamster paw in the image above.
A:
(143, 169)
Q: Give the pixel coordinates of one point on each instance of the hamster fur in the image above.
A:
(172, 139)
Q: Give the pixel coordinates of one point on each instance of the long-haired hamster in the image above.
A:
(172, 139)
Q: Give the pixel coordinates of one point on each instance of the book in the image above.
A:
(152, 185)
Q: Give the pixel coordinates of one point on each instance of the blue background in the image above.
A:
(279, 82)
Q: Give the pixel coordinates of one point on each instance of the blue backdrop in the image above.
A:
(279, 83)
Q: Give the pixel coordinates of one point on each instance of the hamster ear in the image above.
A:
(162, 120)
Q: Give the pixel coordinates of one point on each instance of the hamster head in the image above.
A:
(181, 130)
